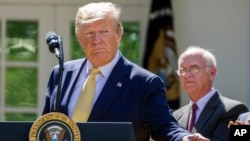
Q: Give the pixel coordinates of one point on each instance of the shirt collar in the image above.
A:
(106, 69)
(203, 101)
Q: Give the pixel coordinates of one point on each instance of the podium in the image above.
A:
(90, 131)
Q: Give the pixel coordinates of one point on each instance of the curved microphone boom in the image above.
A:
(53, 43)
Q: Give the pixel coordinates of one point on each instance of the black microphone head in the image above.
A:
(52, 41)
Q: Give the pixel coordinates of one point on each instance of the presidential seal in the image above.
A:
(54, 126)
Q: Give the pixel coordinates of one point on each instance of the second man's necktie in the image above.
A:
(85, 101)
(193, 117)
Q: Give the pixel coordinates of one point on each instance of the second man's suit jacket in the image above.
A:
(214, 118)
(131, 94)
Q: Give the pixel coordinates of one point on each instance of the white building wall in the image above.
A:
(220, 25)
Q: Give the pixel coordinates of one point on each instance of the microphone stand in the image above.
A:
(61, 61)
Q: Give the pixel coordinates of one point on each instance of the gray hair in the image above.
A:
(206, 54)
(96, 11)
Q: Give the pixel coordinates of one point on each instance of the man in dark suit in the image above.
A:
(124, 92)
(197, 71)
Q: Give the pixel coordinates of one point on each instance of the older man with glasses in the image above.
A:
(208, 112)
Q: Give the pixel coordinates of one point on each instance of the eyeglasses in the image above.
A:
(192, 69)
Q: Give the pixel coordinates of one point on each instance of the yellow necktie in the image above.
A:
(84, 105)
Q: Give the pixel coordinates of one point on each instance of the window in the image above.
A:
(23, 67)
(20, 77)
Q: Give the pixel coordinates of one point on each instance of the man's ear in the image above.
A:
(212, 73)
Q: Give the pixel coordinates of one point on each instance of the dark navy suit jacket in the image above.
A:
(131, 94)
(214, 118)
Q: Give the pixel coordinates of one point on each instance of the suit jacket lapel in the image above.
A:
(184, 116)
(71, 75)
(207, 112)
(115, 83)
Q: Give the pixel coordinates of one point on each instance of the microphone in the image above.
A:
(53, 43)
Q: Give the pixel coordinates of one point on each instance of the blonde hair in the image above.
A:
(97, 11)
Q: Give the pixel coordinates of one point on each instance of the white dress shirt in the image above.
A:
(201, 103)
(100, 81)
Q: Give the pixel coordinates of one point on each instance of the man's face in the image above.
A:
(100, 41)
(197, 77)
